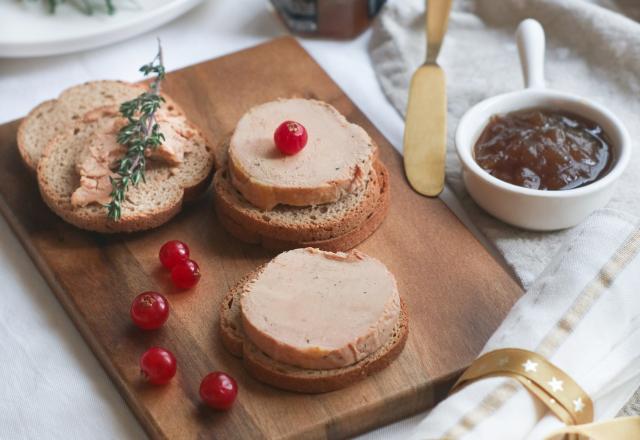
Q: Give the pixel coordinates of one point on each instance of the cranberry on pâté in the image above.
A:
(290, 137)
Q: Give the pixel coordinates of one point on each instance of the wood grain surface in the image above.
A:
(456, 293)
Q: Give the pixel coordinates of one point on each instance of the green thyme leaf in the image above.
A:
(140, 133)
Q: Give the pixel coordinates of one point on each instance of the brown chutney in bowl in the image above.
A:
(544, 149)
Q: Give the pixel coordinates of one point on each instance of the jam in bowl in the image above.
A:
(549, 158)
(544, 149)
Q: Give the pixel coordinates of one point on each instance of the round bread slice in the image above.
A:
(302, 380)
(320, 310)
(148, 205)
(337, 158)
(288, 377)
(302, 224)
(343, 242)
(52, 117)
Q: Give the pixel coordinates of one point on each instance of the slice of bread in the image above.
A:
(287, 377)
(342, 242)
(52, 117)
(146, 206)
(304, 224)
(337, 157)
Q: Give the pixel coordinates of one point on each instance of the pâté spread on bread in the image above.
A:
(55, 116)
(337, 157)
(321, 310)
(95, 164)
(296, 173)
(315, 321)
(122, 157)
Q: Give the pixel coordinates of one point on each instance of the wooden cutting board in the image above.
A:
(456, 293)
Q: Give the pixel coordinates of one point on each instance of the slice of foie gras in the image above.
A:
(336, 159)
(321, 310)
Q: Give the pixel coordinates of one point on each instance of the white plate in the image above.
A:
(28, 30)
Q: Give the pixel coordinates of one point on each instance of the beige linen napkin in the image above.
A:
(583, 314)
(592, 50)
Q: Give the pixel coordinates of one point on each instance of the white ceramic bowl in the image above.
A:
(530, 208)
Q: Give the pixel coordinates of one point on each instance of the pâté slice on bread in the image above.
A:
(333, 227)
(63, 172)
(336, 159)
(315, 321)
(332, 194)
(53, 117)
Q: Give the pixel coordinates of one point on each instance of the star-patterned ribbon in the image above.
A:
(554, 388)
(561, 394)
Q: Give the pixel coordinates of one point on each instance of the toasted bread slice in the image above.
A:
(304, 224)
(291, 378)
(342, 242)
(337, 157)
(52, 117)
(147, 205)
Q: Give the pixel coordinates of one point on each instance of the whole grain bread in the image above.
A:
(53, 117)
(287, 377)
(148, 205)
(348, 240)
(304, 224)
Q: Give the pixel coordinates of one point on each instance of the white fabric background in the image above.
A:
(597, 344)
(51, 385)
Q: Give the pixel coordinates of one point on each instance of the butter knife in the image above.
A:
(425, 132)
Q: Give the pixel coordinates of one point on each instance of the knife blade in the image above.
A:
(425, 133)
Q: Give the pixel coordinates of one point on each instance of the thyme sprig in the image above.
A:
(142, 132)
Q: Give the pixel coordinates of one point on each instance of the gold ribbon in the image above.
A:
(616, 429)
(554, 388)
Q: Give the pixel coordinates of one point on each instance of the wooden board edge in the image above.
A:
(146, 421)
(415, 401)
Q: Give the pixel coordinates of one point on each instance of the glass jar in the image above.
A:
(340, 19)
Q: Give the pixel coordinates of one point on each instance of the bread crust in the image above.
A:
(290, 378)
(341, 242)
(104, 225)
(95, 83)
(31, 153)
(269, 225)
(23, 145)
(93, 217)
(270, 372)
(231, 328)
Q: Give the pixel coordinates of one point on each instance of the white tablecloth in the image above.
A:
(51, 385)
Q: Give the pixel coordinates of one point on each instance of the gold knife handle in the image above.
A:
(437, 19)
